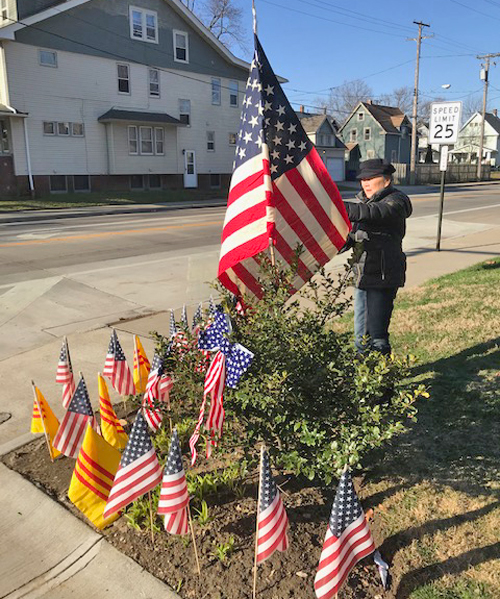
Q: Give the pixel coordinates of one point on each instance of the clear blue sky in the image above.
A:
(317, 44)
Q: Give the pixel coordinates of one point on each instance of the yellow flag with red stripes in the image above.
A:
(141, 366)
(93, 476)
(111, 428)
(44, 422)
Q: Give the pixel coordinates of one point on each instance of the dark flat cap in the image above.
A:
(375, 167)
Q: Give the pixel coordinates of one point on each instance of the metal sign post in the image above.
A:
(443, 130)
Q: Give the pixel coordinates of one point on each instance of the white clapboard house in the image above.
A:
(114, 94)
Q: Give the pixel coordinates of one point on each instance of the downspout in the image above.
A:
(27, 149)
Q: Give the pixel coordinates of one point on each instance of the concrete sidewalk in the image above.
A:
(46, 552)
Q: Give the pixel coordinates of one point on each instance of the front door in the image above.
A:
(190, 176)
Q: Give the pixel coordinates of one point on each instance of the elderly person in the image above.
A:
(379, 225)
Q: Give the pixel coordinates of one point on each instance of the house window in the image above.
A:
(215, 180)
(4, 138)
(58, 184)
(154, 181)
(233, 137)
(394, 156)
(370, 154)
(185, 111)
(49, 128)
(361, 116)
(143, 24)
(215, 91)
(4, 13)
(136, 182)
(146, 137)
(233, 93)
(123, 78)
(367, 134)
(154, 83)
(47, 58)
(211, 141)
(132, 140)
(181, 47)
(354, 134)
(81, 182)
(62, 128)
(159, 141)
(77, 130)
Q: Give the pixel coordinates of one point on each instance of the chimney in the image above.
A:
(324, 110)
(369, 101)
(301, 109)
(495, 112)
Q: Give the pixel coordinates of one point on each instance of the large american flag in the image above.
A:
(280, 190)
(348, 539)
(69, 437)
(64, 374)
(272, 521)
(116, 368)
(139, 470)
(174, 499)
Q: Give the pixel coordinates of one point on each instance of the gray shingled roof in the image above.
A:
(493, 121)
(389, 117)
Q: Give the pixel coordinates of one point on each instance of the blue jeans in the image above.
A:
(372, 316)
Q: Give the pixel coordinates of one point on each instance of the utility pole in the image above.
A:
(413, 155)
(486, 67)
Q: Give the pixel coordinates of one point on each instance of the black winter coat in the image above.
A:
(379, 224)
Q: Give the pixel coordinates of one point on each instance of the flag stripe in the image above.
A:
(89, 486)
(93, 464)
(80, 466)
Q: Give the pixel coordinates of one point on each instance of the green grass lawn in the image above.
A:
(437, 488)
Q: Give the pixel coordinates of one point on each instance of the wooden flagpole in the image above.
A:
(188, 507)
(257, 524)
(151, 518)
(43, 421)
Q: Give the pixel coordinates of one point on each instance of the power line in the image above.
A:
(480, 12)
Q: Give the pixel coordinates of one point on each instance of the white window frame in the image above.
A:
(144, 26)
(184, 34)
(361, 116)
(65, 123)
(5, 145)
(142, 129)
(118, 65)
(370, 154)
(4, 10)
(216, 87)
(211, 134)
(353, 135)
(73, 134)
(153, 83)
(235, 139)
(181, 112)
(369, 131)
(133, 139)
(159, 133)
(54, 128)
(233, 93)
(41, 53)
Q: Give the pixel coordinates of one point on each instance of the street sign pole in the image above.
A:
(443, 160)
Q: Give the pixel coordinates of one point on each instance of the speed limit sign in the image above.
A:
(444, 122)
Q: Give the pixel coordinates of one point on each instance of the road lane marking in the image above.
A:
(112, 234)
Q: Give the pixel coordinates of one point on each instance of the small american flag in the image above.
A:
(280, 191)
(174, 497)
(116, 368)
(197, 317)
(211, 306)
(139, 470)
(64, 374)
(272, 521)
(348, 539)
(151, 411)
(69, 437)
(173, 325)
(184, 318)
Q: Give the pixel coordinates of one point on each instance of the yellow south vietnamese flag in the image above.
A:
(45, 422)
(111, 428)
(141, 366)
(93, 476)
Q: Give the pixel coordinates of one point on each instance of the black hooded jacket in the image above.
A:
(379, 225)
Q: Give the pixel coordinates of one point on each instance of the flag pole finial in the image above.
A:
(254, 14)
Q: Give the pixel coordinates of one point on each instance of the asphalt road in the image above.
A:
(72, 274)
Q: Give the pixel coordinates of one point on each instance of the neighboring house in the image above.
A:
(100, 94)
(466, 149)
(320, 129)
(376, 131)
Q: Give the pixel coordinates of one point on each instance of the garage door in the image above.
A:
(335, 166)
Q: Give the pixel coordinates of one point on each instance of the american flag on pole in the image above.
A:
(116, 368)
(69, 437)
(174, 499)
(64, 374)
(139, 470)
(272, 521)
(151, 411)
(348, 539)
(197, 317)
(280, 191)
(184, 318)
(173, 325)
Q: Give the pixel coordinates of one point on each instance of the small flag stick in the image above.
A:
(257, 524)
(43, 421)
(271, 251)
(151, 518)
(194, 540)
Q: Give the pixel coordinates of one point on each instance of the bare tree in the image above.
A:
(342, 100)
(470, 105)
(400, 97)
(224, 18)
